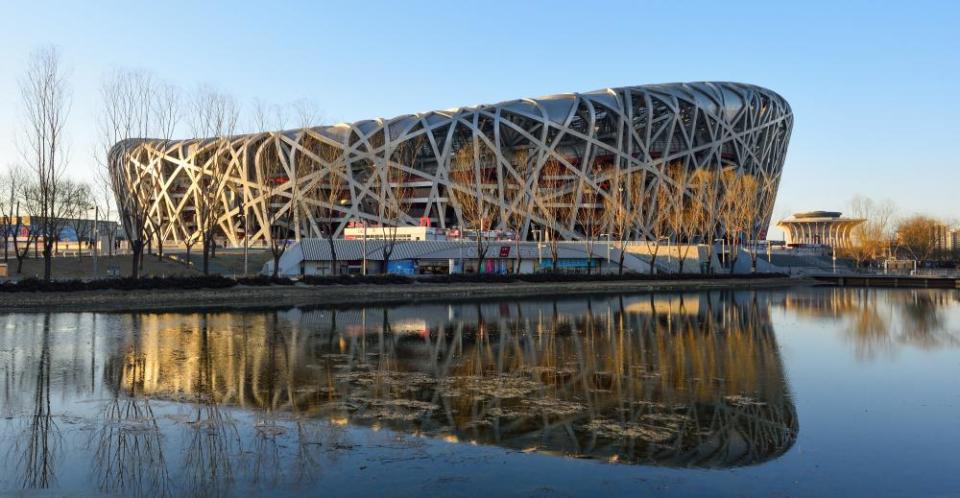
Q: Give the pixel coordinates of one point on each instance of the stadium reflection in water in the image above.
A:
(196, 403)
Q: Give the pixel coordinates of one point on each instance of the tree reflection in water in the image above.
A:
(214, 404)
(691, 380)
(38, 445)
(129, 457)
(212, 437)
(880, 320)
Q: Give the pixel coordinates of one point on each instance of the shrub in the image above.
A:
(148, 283)
(356, 279)
(263, 281)
(549, 277)
(221, 282)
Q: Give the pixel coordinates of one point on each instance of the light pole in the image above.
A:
(607, 235)
(246, 236)
(834, 248)
(538, 234)
(460, 247)
(363, 268)
(723, 251)
(96, 239)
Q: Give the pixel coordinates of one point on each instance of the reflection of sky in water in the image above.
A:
(210, 404)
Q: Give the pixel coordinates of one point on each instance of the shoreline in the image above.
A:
(250, 298)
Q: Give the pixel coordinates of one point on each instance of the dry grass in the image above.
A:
(72, 267)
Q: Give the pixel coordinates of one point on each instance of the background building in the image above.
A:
(819, 228)
(563, 166)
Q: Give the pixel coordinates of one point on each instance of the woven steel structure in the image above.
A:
(551, 163)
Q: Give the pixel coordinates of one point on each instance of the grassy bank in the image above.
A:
(215, 281)
(259, 294)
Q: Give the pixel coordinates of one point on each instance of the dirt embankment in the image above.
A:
(241, 297)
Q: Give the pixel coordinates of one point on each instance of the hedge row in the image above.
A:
(356, 279)
(220, 282)
(200, 282)
(581, 277)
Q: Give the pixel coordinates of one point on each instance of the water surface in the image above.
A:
(799, 392)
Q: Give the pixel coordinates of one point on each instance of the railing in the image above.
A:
(889, 281)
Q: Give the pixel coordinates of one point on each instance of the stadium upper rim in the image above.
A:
(714, 96)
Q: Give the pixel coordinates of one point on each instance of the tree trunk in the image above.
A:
(516, 269)
(206, 256)
(481, 254)
(276, 265)
(620, 269)
(333, 254)
(136, 246)
(47, 260)
(735, 251)
(387, 252)
(589, 257)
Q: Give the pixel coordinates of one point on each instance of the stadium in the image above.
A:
(568, 166)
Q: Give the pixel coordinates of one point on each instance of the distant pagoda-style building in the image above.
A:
(819, 228)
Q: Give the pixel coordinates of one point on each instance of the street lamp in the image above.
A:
(460, 247)
(538, 236)
(96, 238)
(834, 248)
(246, 236)
(607, 235)
(363, 267)
(723, 251)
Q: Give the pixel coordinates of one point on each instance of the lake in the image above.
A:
(794, 392)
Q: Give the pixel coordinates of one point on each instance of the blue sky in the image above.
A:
(873, 85)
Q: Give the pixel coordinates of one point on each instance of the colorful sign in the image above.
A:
(569, 264)
(402, 267)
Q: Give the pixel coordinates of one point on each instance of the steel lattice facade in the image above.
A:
(536, 164)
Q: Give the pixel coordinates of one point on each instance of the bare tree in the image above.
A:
(872, 237)
(703, 201)
(8, 202)
(472, 174)
(166, 106)
(214, 115)
(552, 202)
(305, 112)
(46, 102)
(104, 200)
(391, 182)
(760, 195)
(19, 190)
(678, 215)
(280, 186)
(655, 216)
(81, 225)
(278, 176)
(516, 197)
(738, 210)
(919, 236)
(326, 189)
(590, 218)
(125, 115)
(617, 213)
